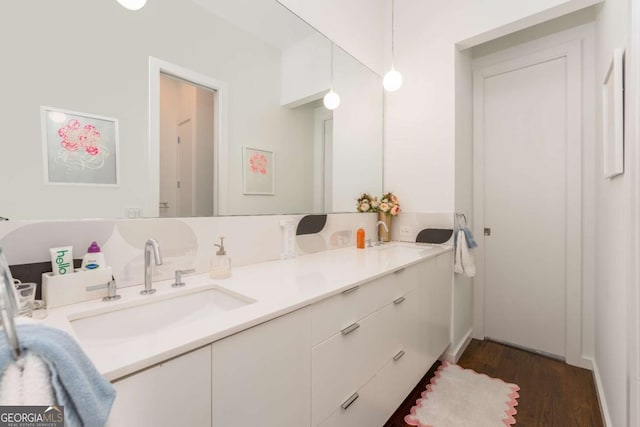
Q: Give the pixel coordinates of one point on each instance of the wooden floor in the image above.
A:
(552, 393)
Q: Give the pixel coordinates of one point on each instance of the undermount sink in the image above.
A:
(155, 316)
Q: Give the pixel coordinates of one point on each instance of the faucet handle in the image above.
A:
(178, 282)
(111, 290)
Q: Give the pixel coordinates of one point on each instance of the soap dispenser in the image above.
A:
(220, 262)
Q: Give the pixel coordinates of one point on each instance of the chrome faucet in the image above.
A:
(379, 242)
(149, 247)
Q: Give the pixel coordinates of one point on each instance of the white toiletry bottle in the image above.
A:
(93, 259)
(220, 262)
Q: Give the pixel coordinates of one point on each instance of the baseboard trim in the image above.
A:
(602, 401)
(453, 356)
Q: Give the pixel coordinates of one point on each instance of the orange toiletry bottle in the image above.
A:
(360, 238)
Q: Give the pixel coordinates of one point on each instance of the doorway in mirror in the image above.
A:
(186, 148)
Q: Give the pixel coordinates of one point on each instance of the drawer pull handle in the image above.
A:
(350, 400)
(350, 328)
(399, 271)
(398, 356)
(348, 291)
(399, 300)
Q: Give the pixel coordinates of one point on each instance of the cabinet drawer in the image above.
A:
(362, 409)
(347, 360)
(406, 279)
(330, 316)
(398, 378)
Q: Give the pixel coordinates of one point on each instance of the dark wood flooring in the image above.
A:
(552, 393)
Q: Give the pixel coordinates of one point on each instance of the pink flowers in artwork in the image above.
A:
(81, 144)
(258, 163)
(77, 137)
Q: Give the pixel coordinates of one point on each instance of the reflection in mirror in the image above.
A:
(186, 148)
(272, 71)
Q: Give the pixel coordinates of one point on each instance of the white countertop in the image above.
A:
(277, 287)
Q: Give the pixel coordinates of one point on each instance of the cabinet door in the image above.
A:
(439, 289)
(262, 376)
(174, 393)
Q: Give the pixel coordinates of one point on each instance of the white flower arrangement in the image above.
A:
(388, 204)
(367, 203)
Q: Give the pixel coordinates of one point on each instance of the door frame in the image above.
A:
(220, 131)
(512, 60)
(320, 177)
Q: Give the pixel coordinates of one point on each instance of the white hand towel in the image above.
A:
(464, 263)
(27, 381)
(457, 266)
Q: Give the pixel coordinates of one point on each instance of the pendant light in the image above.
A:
(331, 100)
(393, 79)
(132, 4)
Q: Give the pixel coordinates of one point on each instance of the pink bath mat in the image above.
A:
(458, 397)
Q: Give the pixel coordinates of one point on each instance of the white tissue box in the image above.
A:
(81, 285)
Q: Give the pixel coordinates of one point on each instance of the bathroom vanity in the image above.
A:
(336, 338)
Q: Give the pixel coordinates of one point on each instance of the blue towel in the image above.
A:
(470, 242)
(78, 386)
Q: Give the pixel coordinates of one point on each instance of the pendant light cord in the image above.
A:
(331, 65)
(393, 37)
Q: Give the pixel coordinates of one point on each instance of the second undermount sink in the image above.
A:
(155, 316)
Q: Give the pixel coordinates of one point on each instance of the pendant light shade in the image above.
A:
(331, 100)
(132, 4)
(392, 81)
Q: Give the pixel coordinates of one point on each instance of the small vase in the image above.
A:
(384, 234)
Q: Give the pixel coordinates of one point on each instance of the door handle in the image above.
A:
(487, 231)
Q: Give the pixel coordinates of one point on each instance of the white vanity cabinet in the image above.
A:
(174, 393)
(262, 376)
(372, 344)
(346, 361)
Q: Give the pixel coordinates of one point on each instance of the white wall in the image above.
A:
(306, 70)
(354, 25)
(420, 118)
(357, 133)
(614, 231)
(100, 66)
(462, 286)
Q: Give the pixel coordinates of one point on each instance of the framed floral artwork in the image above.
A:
(79, 148)
(258, 171)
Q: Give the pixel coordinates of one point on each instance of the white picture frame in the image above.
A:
(613, 116)
(258, 171)
(79, 148)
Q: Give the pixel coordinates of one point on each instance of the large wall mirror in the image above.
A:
(198, 108)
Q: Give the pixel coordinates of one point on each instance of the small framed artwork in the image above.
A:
(79, 148)
(258, 171)
(613, 116)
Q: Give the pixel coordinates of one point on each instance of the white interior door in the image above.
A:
(185, 168)
(525, 178)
